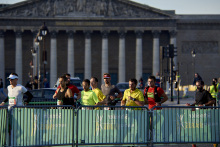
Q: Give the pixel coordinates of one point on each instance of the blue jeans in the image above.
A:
(2, 91)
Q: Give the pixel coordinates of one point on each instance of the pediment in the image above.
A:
(82, 8)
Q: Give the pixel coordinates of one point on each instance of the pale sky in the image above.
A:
(180, 6)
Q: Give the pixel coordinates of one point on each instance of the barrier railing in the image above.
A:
(98, 126)
(3, 125)
(42, 126)
(64, 125)
(186, 125)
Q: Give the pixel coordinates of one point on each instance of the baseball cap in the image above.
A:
(12, 77)
(106, 76)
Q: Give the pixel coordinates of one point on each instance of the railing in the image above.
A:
(64, 125)
(107, 127)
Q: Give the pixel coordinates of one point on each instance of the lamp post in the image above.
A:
(193, 53)
(41, 36)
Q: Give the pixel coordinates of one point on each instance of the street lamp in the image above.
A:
(41, 36)
(193, 53)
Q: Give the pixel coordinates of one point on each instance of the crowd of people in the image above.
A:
(109, 94)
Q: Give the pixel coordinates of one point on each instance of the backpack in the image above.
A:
(157, 98)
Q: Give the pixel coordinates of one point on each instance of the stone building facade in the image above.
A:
(91, 37)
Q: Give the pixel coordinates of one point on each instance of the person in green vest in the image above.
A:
(213, 90)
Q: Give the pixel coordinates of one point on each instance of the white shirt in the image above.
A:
(15, 95)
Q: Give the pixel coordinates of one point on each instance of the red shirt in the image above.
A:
(72, 87)
(150, 96)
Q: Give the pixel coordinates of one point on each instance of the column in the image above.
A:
(70, 54)
(18, 55)
(121, 60)
(138, 55)
(2, 56)
(53, 59)
(173, 34)
(156, 52)
(104, 53)
(35, 47)
(88, 61)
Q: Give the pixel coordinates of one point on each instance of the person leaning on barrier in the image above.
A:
(132, 96)
(63, 94)
(202, 97)
(88, 97)
(16, 92)
(153, 94)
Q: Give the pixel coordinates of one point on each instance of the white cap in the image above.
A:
(13, 77)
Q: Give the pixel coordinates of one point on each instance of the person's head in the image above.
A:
(86, 84)
(151, 81)
(132, 84)
(13, 78)
(214, 81)
(199, 85)
(62, 81)
(94, 82)
(141, 80)
(45, 79)
(67, 75)
(107, 78)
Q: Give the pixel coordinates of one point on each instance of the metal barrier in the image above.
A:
(64, 125)
(186, 125)
(42, 126)
(108, 127)
(3, 125)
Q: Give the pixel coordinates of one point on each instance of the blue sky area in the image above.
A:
(180, 6)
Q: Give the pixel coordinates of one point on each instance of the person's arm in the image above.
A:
(55, 94)
(30, 96)
(69, 93)
(78, 95)
(187, 104)
(123, 102)
(5, 100)
(139, 103)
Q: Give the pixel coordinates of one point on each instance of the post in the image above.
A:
(39, 66)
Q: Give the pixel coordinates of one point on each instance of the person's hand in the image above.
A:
(2, 104)
(158, 104)
(130, 98)
(55, 96)
(187, 104)
(112, 97)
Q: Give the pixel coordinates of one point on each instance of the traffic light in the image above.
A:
(171, 50)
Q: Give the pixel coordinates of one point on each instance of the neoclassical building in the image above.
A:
(91, 37)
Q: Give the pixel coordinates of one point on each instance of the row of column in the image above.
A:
(70, 54)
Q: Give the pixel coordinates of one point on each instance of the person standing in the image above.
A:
(98, 92)
(213, 90)
(153, 94)
(88, 97)
(132, 96)
(16, 92)
(64, 94)
(46, 83)
(197, 78)
(202, 96)
(72, 87)
(110, 90)
(1, 88)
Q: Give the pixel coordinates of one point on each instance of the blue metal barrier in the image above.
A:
(64, 125)
(186, 125)
(42, 126)
(97, 126)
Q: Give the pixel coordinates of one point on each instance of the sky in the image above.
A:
(180, 6)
